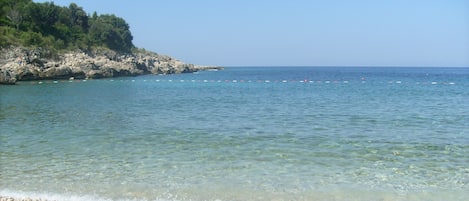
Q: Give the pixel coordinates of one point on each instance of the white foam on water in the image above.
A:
(233, 192)
(48, 196)
(19, 195)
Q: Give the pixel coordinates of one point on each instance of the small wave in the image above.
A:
(10, 195)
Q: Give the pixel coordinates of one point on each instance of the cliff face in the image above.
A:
(18, 63)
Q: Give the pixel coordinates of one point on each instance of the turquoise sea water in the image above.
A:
(250, 133)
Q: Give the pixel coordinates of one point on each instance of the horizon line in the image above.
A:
(353, 66)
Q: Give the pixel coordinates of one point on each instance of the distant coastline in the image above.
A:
(41, 41)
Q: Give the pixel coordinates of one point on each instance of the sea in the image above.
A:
(242, 133)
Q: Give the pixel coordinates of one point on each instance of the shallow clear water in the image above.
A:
(240, 134)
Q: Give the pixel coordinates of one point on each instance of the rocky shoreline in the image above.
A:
(23, 64)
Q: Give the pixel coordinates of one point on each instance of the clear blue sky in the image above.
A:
(297, 32)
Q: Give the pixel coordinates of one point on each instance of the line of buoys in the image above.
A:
(252, 81)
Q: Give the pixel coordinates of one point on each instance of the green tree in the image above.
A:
(112, 32)
(42, 17)
(23, 22)
(11, 12)
(78, 16)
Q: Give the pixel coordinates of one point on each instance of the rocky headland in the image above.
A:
(24, 64)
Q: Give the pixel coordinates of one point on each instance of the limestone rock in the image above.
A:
(19, 63)
(6, 77)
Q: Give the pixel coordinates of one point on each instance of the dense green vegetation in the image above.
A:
(30, 24)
